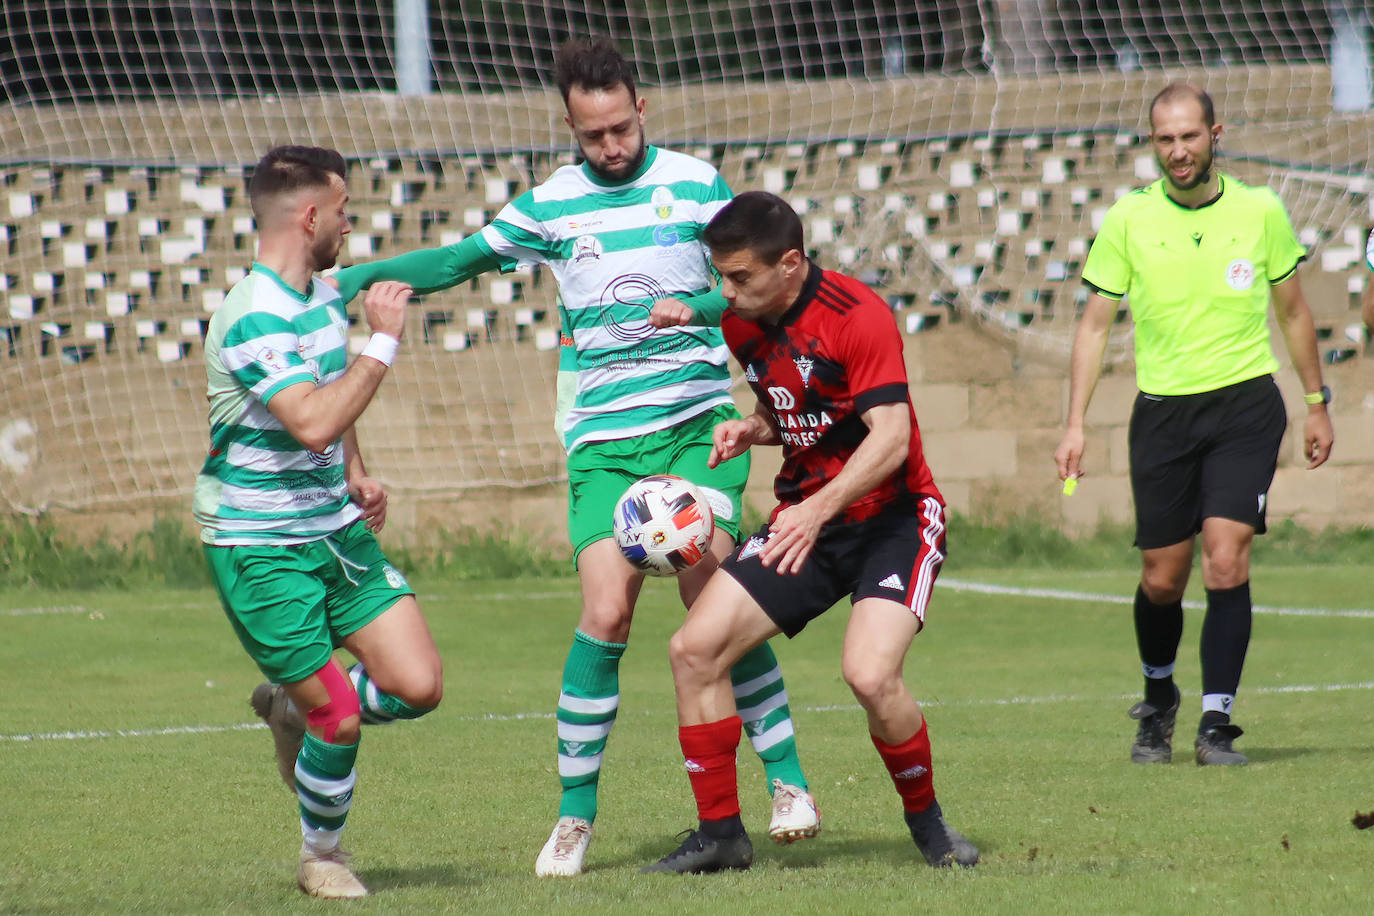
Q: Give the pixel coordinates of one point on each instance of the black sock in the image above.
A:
(1158, 628)
(1225, 640)
(722, 829)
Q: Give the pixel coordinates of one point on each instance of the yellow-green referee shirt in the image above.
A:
(1197, 282)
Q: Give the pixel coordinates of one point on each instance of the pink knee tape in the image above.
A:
(343, 702)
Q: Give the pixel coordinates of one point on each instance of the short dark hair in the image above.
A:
(1181, 90)
(592, 63)
(289, 168)
(759, 222)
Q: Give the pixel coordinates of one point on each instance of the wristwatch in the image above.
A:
(1318, 397)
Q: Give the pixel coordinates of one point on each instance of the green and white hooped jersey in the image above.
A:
(258, 484)
(614, 249)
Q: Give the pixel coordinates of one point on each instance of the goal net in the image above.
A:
(957, 155)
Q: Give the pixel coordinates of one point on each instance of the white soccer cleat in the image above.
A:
(795, 815)
(327, 875)
(273, 706)
(567, 846)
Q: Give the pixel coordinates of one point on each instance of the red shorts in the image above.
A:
(894, 555)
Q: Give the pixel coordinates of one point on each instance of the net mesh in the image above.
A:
(957, 155)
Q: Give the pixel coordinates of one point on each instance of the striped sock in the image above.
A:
(324, 788)
(761, 698)
(587, 707)
(379, 707)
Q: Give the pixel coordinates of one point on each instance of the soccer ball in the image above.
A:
(663, 524)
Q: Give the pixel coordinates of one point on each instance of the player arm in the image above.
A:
(426, 270)
(317, 416)
(732, 438)
(369, 494)
(1300, 334)
(1085, 366)
(795, 529)
(881, 453)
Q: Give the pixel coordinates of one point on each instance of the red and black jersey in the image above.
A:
(833, 355)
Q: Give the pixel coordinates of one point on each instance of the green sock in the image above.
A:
(324, 788)
(586, 711)
(378, 707)
(762, 701)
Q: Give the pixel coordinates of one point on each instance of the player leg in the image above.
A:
(897, 561)
(1236, 476)
(277, 605)
(760, 693)
(589, 696)
(723, 625)
(373, 612)
(1165, 483)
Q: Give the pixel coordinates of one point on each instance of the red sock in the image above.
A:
(710, 752)
(909, 764)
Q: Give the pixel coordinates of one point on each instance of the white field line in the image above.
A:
(960, 585)
(522, 716)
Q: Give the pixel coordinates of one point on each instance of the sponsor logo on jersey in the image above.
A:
(666, 236)
(1240, 274)
(782, 398)
(272, 360)
(322, 459)
(804, 366)
(892, 581)
(586, 248)
(663, 201)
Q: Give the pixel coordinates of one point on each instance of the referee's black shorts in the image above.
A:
(1206, 455)
(895, 555)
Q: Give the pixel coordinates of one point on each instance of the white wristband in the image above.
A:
(382, 348)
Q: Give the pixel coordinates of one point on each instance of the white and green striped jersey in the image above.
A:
(258, 484)
(614, 249)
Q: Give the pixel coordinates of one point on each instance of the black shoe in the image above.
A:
(1213, 747)
(700, 854)
(1155, 732)
(940, 843)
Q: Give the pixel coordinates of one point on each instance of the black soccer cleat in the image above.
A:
(1213, 747)
(1156, 731)
(700, 854)
(941, 844)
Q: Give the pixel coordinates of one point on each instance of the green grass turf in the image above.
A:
(1026, 699)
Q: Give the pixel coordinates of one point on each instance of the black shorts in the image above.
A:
(1207, 455)
(894, 555)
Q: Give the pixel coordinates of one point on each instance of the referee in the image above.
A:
(1199, 256)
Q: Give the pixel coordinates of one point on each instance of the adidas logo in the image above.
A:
(749, 374)
(892, 581)
(694, 767)
(912, 772)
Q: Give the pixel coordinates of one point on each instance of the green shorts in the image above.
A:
(291, 605)
(599, 472)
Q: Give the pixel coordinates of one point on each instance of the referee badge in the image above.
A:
(1240, 275)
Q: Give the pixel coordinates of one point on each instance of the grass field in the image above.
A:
(135, 778)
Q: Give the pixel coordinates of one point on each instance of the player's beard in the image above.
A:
(620, 173)
(324, 254)
(1202, 172)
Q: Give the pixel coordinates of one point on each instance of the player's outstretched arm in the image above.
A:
(795, 529)
(426, 270)
(1300, 333)
(318, 416)
(1085, 365)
